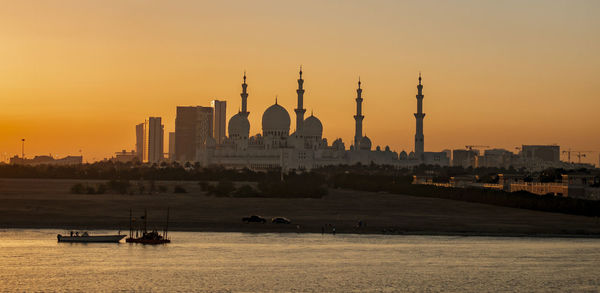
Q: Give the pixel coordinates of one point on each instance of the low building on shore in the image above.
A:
(47, 160)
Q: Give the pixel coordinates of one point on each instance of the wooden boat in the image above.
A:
(149, 238)
(86, 238)
(142, 236)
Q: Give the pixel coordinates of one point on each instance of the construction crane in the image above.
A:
(470, 147)
(578, 154)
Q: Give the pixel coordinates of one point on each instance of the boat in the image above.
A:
(87, 238)
(152, 237)
(142, 236)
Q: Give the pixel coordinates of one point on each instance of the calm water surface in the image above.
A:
(32, 260)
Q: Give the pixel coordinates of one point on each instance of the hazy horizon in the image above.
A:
(80, 75)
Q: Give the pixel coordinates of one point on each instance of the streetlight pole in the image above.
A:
(23, 148)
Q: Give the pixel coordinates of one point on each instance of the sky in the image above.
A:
(77, 76)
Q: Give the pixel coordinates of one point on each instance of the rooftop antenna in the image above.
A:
(22, 148)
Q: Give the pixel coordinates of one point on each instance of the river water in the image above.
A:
(32, 260)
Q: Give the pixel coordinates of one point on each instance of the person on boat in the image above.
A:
(71, 233)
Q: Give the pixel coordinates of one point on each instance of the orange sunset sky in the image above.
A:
(78, 75)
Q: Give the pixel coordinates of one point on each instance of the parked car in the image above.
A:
(254, 219)
(281, 220)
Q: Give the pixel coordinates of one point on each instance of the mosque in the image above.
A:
(305, 148)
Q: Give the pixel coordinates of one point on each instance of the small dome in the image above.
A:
(365, 143)
(387, 148)
(411, 156)
(276, 120)
(403, 155)
(378, 148)
(338, 144)
(239, 126)
(313, 127)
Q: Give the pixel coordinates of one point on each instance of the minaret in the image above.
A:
(300, 109)
(419, 138)
(358, 117)
(244, 95)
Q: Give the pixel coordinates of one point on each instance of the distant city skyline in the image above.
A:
(497, 74)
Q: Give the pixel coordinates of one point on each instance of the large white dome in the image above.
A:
(239, 126)
(276, 121)
(313, 127)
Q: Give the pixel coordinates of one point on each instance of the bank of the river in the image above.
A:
(47, 203)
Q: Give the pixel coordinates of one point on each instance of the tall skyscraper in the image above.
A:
(419, 137)
(219, 115)
(358, 118)
(193, 124)
(139, 141)
(153, 140)
(204, 125)
(185, 134)
(171, 146)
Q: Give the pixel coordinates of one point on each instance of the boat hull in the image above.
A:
(90, 239)
(147, 241)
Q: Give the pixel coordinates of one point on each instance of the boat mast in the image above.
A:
(145, 220)
(167, 226)
(130, 224)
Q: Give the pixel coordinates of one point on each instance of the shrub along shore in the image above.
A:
(219, 181)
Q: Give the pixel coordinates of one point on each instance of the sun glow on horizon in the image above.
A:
(79, 75)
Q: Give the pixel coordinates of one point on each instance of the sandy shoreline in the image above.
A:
(47, 203)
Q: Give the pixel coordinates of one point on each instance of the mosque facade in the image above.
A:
(305, 148)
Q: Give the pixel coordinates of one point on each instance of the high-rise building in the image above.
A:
(139, 141)
(153, 140)
(171, 146)
(204, 125)
(219, 115)
(185, 134)
(193, 124)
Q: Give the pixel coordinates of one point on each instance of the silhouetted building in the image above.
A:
(47, 160)
(125, 156)
(303, 149)
(499, 158)
(204, 125)
(193, 125)
(464, 158)
(171, 146)
(219, 115)
(547, 153)
(435, 158)
(153, 140)
(185, 134)
(139, 141)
